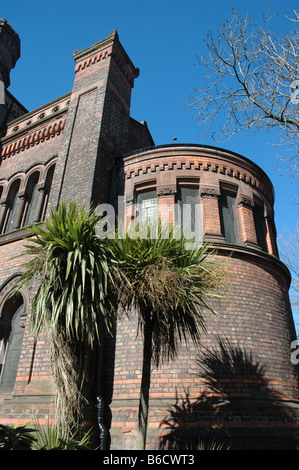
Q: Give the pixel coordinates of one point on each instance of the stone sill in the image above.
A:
(15, 235)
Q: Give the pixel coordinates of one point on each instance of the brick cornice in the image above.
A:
(37, 116)
(35, 127)
(102, 50)
(200, 158)
(35, 137)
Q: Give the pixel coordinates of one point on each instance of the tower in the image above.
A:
(9, 55)
(97, 125)
(241, 385)
(9, 50)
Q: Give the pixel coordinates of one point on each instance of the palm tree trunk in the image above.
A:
(144, 389)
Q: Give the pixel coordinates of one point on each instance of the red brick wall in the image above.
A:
(82, 131)
(255, 317)
(85, 131)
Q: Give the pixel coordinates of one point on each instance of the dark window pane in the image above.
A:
(13, 309)
(227, 217)
(33, 198)
(259, 221)
(48, 186)
(13, 207)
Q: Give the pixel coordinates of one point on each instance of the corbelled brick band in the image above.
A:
(85, 146)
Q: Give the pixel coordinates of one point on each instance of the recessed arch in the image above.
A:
(13, 308)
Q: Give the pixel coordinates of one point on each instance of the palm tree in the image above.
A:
(73, 302)
(167, 285)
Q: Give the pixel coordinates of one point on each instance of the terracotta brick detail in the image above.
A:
(101, 155)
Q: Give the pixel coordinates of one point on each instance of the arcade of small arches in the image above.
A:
(24, 198)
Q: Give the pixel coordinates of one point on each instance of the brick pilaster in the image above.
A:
(247, 230)
(210, 210)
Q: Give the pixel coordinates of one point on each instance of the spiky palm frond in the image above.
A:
(167, 284)
(73, 303)
(71, 265)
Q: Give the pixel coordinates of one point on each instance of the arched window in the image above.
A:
(13, 203)
(11, 338)
(31, 215)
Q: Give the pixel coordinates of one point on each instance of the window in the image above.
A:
(32, 202)
(11, 338)
(188, 215)
(260, 227)
(13, 203)
(227, 202)
(48, 185)
(147, 206)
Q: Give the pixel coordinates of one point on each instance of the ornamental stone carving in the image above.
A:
(209, 192)
(245, 201)
(166, 191)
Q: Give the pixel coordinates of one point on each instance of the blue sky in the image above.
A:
(162, 38)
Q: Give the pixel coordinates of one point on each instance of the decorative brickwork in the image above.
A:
(258, 386)
(241, 385)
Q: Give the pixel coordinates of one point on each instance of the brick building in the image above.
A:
(85, 146)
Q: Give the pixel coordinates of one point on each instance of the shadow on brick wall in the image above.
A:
(238, 410)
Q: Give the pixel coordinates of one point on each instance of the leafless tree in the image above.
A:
(253, 82)
(290, 250)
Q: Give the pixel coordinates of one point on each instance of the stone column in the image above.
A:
(23, 199)
(3, 213)
(40, 204)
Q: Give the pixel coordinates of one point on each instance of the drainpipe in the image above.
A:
(103, 431)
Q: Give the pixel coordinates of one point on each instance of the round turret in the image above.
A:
(242, 378)
(9, 50)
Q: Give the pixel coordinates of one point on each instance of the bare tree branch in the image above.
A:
(291, 258)
(253, 82)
